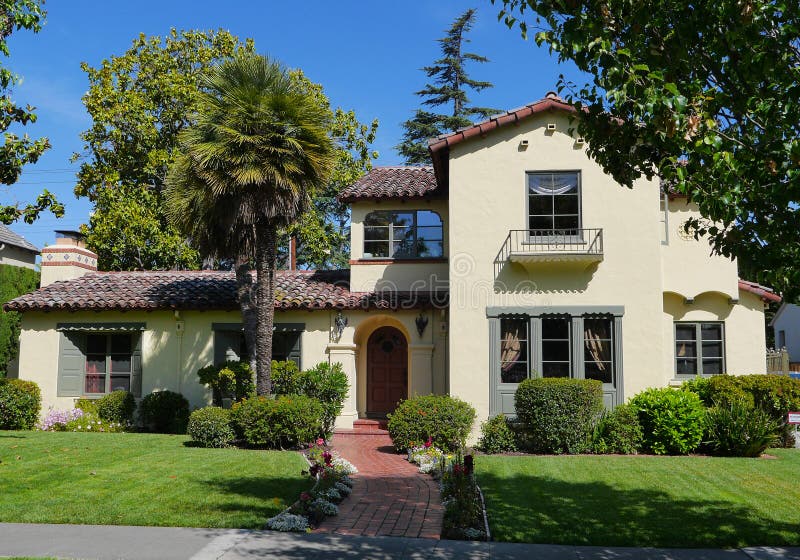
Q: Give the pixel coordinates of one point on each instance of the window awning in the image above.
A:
(277, 327)
(101, 327)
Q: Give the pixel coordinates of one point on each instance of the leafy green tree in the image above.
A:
(16, 150)
(450, 84)
(261, 147)
(139, 102)
(14, 281)
(704, 94)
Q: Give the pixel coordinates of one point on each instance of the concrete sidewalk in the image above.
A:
(163, 543)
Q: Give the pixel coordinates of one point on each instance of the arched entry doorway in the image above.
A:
(387, 370)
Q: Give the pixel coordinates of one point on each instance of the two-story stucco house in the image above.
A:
(513, 256)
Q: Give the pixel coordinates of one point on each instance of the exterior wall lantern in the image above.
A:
(422, 322)
(339, 323)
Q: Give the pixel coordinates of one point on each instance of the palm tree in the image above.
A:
(259, 148)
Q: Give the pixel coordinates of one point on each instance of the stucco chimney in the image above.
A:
(67, 258)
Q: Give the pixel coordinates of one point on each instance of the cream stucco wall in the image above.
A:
(171, 358)
(15, 256)
(488, 198)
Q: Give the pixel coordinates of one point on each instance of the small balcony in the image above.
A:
(534, 246)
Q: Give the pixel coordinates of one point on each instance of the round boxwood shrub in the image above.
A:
(618, 431)
(446, 420)
(20, 404)
(165, 412)
(278, 423)
(738, 429)
(672, 420)
(557, 415)
(497, 436)
(211, 427)
(117, 406)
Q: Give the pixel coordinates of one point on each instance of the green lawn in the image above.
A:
(141, 479)
(643, 500)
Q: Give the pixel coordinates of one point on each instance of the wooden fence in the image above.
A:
(778, 361)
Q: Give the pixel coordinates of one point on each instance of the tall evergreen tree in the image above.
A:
(450, 84)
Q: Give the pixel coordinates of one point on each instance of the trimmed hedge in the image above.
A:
(618, 431)
(14, 281)
(775, 394)
(165, 412)
(325, 382)
(556, 415)
(20, 404)
(211, 427)
(446, 420)
(117, 406)
(497, 436)
(672, 420)
(285, 421)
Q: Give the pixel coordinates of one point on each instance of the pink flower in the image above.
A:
(320, 441)
(305, 496)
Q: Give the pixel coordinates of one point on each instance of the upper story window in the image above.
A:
(554, 202)
(407, 234)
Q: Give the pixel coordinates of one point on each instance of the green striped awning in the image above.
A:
(101, 327)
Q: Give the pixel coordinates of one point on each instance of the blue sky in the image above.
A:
(367, 55)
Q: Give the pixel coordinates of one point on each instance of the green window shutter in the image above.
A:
(71, 363)
(136, 365)
(293, 345)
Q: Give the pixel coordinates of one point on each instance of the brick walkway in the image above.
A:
(390, 497)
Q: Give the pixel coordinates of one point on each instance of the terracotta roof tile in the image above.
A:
(393, 182)
(209, 290)
(765, 293)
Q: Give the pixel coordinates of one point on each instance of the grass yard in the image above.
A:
(141, 479)
(643, 500)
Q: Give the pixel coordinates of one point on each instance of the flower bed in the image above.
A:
(464, 510)
(333, 484)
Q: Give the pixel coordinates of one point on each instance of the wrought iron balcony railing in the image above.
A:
(543, 245)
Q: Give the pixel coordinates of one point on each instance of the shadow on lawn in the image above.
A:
(527, 508)
(272, 494)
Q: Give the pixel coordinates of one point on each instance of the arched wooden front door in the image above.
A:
(387, 370)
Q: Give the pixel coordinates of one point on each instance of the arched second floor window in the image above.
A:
(406, 234)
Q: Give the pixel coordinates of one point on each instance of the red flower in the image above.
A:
(328, 458)
(320, 441)
(305, 496)
(429, 442)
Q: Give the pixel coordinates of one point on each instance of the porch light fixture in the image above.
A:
(339, 323)
(422, 322)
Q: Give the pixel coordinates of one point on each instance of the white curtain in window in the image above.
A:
(559, 184)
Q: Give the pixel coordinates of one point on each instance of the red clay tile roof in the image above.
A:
(393, 182)
(765, 293)
(208, 290)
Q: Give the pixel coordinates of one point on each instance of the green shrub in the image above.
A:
(233, 380)
(738, 429)
(165, 412)
(618, 431)
(211, 427)
(14, 281)
(775, 394)
(91, 422)
(117, 406)
(672, 420)
(444, 419)
(701, 386)
(20, 404)
(87, 405)
(557, 415)
(497, 436)
(325, 382)
(285, 421)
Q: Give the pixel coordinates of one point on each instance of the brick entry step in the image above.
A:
(390, 496)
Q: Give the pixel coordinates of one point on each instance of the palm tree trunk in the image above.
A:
(266, 242)
(246, 294)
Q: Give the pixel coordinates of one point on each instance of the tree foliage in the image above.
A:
(704, 94)
(449, 87)
(14, 281)
(17, 151)
(259, 150)
(139, 102)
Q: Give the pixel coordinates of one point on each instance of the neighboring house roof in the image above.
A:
(765, 293)
(402, 182)
(10, 238)
(209, 290)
